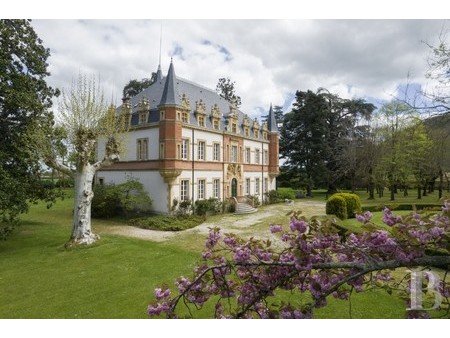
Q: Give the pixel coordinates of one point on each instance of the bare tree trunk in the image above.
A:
(419, 192)
(81, 231)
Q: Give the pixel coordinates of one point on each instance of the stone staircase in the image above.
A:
(244, 208)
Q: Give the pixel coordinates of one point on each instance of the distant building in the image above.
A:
(187, 142)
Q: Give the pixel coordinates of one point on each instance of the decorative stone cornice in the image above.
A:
(170, 175)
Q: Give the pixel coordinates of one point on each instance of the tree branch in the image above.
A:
(106, 161)
(52, 163)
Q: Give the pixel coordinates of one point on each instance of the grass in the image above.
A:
(112, 279)
(115, 277)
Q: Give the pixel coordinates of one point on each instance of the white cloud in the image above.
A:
(268, 59)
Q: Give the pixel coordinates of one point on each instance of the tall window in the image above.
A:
(201, 150)
(257, 186)
(216, 152)
(185, 149)
(201, 121)
(247, 155)
(142, 149)
(234, 128)
(266, 156)
(201, 189)
(185, 117)
(184, 190)
(247, 186)
(257, 156)
(257, 133)
(216, 188)
(247, 131)
(142, 118)
(216, 124)
(266, 185)
(234, 153)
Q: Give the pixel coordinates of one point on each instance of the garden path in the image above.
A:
(244, 224)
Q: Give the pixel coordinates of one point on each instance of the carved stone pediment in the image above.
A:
(234, 170)
(200, 107)
(144, 105)
(185, 102)
(255, 124)
(215, 112)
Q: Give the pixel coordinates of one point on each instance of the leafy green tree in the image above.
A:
(225, 88)
(394, 165)
(318, 133)
(25, 103)
(134, 87)
(303, 137)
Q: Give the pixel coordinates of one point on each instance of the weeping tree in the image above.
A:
(86, 118)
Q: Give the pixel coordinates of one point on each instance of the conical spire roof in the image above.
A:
(271, 121)
(170, 94)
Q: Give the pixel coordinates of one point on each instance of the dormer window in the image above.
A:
(144, 107)
(200, 112)
(215, 117)
(201, 121)
(255, 128)
(185, 117)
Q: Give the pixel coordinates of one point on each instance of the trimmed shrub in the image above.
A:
(336, 205)
(353, 203)
(286, 194)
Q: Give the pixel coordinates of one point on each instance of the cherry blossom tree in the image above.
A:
(311, 260)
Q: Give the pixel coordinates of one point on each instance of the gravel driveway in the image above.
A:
(239, 224)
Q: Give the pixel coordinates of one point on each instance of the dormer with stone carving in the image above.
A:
(246, 125)
(216, 116)
(200, 113)
(256, 128)
(232, 118)
(185, 108)
(144, 108)
(265, 130)
(127, 111)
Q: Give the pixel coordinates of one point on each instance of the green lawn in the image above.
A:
(114, 278)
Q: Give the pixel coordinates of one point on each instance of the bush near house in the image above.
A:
(209, 206)
(128, 199)
(286, 194)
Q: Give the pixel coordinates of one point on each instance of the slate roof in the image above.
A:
(169, 90)
(271, 121)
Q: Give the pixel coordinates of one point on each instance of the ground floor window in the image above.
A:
(257, 186)
(184, 190)
(201, 189)
(247, 186)
(216, 188)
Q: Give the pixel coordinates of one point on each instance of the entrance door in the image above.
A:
(234, 187)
